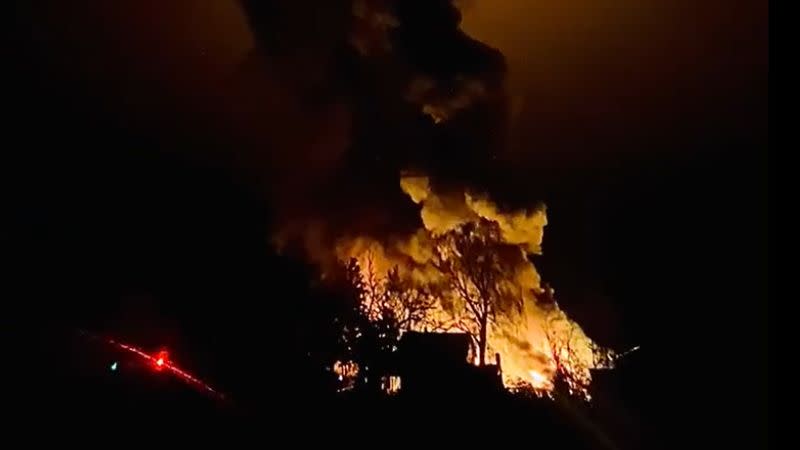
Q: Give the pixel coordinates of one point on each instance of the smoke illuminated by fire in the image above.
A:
(535, 339)
(419, 93)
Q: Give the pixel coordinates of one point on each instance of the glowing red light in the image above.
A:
(161, 359)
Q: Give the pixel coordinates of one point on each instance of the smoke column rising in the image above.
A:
(413, 114)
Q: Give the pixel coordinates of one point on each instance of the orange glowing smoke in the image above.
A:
(535, 339)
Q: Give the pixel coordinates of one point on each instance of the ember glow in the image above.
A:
(347, 374)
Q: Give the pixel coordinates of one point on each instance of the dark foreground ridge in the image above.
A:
(71, 383)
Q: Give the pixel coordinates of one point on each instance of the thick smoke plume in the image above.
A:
(384, 86)
(418, 110)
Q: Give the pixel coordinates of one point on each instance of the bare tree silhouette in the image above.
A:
(570, 369)
(476, 263)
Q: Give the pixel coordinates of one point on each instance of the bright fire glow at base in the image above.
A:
(538, 379)
(467, 269)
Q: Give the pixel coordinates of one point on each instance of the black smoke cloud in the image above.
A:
(381, 87)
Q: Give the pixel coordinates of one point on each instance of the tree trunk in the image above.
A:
(482, 340)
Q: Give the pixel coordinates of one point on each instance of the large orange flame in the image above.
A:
(536, 342)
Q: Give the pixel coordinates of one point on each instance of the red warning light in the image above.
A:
(161, 359)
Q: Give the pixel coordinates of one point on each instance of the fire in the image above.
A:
(391, 384)
(467, 270)
(346, 373)
(345, 369)
(538, 380)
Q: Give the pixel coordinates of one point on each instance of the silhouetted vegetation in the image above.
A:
(471, 257)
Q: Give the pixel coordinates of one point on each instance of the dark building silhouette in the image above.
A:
(435, 364)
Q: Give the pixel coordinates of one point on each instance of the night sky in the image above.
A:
(151, 151)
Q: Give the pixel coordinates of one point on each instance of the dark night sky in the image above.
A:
(134, 199)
